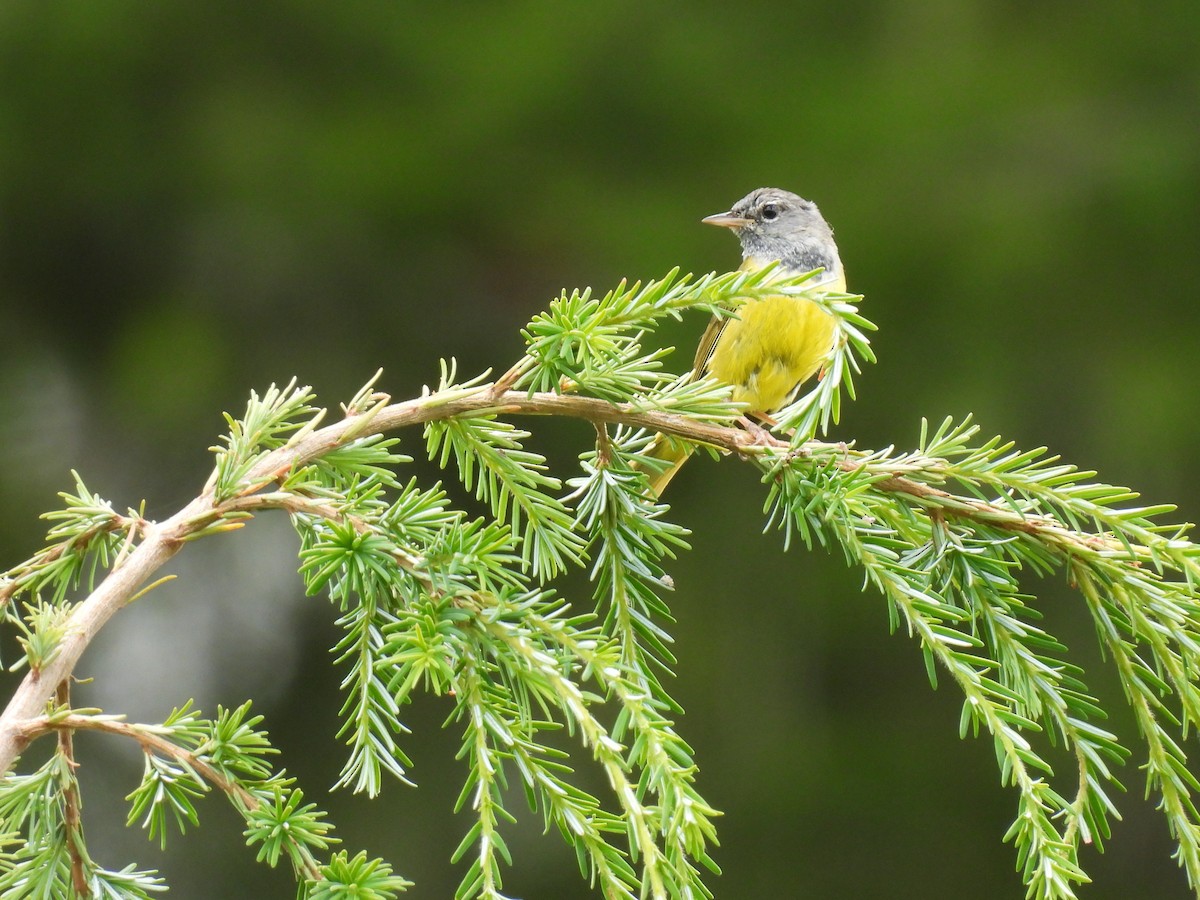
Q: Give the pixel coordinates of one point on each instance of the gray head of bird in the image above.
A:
(774, 224)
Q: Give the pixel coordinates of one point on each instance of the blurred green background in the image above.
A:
(197, 199)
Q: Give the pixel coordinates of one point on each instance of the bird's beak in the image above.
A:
(726, 220)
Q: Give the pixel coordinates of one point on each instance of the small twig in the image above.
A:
(133, 527)
(509, 378)
(150, 743)
(603, 446)
(71, 802)
(297, 503)
(11, 585)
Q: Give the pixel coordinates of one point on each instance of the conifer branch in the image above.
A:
(430, 599)
(162, 541)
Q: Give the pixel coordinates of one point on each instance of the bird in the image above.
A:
(776, 342)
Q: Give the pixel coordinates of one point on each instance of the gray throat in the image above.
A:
(802, 256)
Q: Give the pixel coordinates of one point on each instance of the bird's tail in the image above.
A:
(671, 454)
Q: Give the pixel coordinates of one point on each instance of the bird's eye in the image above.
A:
(770, 211)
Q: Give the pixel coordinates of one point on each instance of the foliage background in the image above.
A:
(198, 199)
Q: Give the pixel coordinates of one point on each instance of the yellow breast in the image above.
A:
(774, 345)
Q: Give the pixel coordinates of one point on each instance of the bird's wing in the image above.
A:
(708, 342)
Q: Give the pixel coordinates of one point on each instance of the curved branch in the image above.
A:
(152, 743)
(149, 741)
(162, 541)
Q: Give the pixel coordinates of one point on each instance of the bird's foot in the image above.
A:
(760, 434)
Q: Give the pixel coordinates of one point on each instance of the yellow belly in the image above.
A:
(774, 345)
